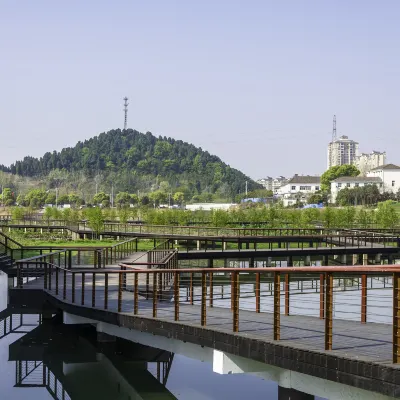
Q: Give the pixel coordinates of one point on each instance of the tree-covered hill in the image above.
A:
(131, 160)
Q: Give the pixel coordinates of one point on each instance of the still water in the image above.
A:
(50, 360)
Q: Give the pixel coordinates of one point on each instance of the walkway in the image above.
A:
(351, 339)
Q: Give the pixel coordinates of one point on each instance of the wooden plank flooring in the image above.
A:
(369, 342)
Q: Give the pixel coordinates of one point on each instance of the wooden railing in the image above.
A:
(191, 295)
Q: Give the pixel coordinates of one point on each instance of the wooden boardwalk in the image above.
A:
(368, 342)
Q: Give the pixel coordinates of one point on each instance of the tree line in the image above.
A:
(383, 216)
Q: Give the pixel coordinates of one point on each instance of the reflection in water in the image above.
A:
(67, 362)
(45, 359)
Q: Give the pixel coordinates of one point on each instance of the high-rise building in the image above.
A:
(342, 151)
(366, 162)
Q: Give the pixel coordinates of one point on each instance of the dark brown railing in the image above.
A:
(356, 293)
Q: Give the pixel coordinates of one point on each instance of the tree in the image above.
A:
(48, 214)
(17, 213)
(35, 198)
(123, 199)
(95, 220)
(318, 198)
(7, 197)
(179, 197)
(337, 172)
(100, 197)
(123, 214)
(386, 215)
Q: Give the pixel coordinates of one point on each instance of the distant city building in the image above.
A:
(273, 184)
(352, 182)
(365, 162)
(298, 189)
(342, 151)
(390, 176)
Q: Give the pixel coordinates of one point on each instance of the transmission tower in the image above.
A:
(331, 145)
(126, 112)
(334, 129)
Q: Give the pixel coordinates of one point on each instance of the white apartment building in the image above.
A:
(299, 188)
(342, 151)
(352, 182)
(273, 184)
(390, 176)
(365, 162)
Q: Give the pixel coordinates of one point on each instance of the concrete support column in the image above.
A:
(293, 394)
(343, 259)
(365, 259)
(223, 245)
(307, 261)
(355, 259)
(198, 245)
(378, 259)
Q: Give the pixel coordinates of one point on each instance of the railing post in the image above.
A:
(56, 281)
(83, 289)
(321, 296)
(257, 292)
(119, 292)
(155, 278)
(203, 299)
(106, 291)
(363, 298)
(191, 288)
(45, 275)
(211, 289)
(94, 289)
(176, 295)
(328, 310)
(287, 294)
(73, 287)
(277, 306)
(136, 294)
(236, 295)
(65, 285)
(396, 317)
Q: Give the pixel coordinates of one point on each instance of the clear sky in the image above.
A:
(255, 82)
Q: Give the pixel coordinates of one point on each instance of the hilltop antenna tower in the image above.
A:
(126, 112)
(331, 158)
(334, 129)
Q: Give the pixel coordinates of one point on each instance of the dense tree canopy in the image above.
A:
(132, 160)
(336, 172)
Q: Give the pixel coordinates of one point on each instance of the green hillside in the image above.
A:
(134, 161)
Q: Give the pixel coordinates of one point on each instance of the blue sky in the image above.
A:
(254, 82)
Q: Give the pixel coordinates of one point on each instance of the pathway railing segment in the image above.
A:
(264, 301)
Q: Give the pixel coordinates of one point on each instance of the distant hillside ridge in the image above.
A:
(134, 159)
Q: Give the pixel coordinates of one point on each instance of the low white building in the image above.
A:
(390, 176)
(298, 189)
(209, 206)
(352, 182)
